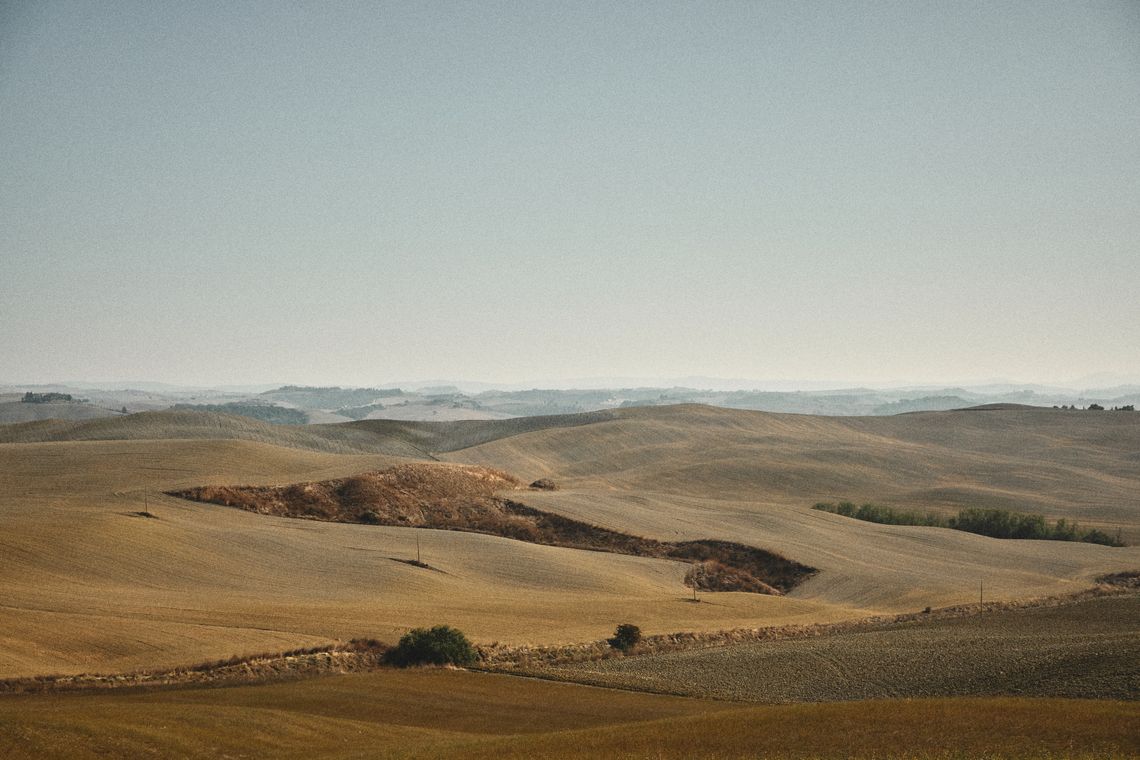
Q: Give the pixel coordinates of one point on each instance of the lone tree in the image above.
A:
(626, 637)
(441, 645)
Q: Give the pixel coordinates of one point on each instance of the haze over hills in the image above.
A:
(293, 404)
(370, 370)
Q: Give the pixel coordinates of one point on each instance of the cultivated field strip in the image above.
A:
(455, 714)
(1089, 649)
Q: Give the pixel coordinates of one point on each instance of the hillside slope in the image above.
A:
(1079, 465)
(199, 425)
(92, 586)
(17, 411)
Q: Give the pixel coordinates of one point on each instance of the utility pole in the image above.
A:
(418, 562)
(981, 590)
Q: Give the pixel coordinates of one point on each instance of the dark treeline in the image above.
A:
(995, 523)
(45, 398)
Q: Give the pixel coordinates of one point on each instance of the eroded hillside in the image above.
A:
(468, 498)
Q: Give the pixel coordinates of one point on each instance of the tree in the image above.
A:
(626, 637)
(1096, 408)
(441, 645)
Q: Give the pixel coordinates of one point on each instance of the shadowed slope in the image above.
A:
(461, 434)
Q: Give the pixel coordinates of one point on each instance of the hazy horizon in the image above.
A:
(883, 194)
(468, 385)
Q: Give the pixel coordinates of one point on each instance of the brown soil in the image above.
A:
(463, 498)
(1086, 649)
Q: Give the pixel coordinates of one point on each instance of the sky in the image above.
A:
(351, 193)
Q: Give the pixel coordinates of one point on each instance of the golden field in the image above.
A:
(89, 586)
(447, 713)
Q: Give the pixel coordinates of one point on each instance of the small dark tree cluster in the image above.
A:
(626, 637)
(441, 645)
(884, 515)
(1097, 408)
(544, 484)
(45, 398)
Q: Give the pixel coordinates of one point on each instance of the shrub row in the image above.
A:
(995, 523)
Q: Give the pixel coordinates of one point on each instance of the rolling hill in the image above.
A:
(92, 586)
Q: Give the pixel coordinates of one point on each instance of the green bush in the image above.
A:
(626, 637)
(441, 645)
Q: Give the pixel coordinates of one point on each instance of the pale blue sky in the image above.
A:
(354, 193)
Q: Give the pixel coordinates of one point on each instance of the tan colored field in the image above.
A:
(446, 713)
(88, 586)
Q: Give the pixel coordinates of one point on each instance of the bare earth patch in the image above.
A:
(466, 498)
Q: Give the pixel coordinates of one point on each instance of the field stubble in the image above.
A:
(1087, 649)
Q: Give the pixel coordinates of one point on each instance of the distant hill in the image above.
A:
(441, 403)
(271, 413)
(18, 411)
(203, 425)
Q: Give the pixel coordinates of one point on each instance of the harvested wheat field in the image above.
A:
(90, 585)
(1086, 649)
(448, 713)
